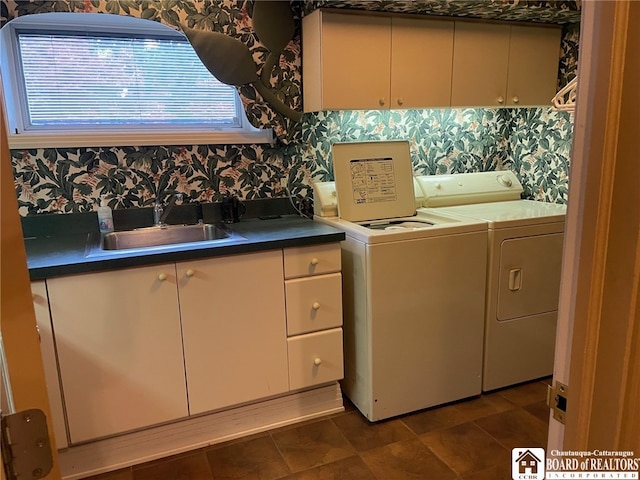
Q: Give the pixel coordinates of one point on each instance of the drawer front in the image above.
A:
(312, 260)
(315, 358)
(314, 303)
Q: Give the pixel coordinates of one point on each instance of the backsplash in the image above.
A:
(535, 143)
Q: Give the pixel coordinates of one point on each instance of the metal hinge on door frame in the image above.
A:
(557, 395)
(26, 447)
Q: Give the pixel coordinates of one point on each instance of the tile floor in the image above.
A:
(466, 440)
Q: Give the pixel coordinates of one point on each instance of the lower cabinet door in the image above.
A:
(315, 358)
(234, 326)
(119, 349)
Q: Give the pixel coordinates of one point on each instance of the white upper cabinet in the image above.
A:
(346, 61)
(354, 61)
(534, 58)
(421, 59)
(373, 61)
(497, 65)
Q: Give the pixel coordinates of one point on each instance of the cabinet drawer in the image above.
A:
(315, 358)
(314, 303)
(312, 260)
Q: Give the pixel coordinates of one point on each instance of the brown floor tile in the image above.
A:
(409, 459)
(526, 394)
(124, 474)
(515, 428)
(466, 448)
(540, 410)
(312, 445)
(482, 406)
(255, 459)
(439, 417)
(364, 435)
(183, 467)
(351, 468)
(496, 472)
(456, 413)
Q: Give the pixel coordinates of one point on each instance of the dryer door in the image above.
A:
(529, 275)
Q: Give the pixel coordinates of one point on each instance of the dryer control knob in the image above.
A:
(438, 185)
(505, 180)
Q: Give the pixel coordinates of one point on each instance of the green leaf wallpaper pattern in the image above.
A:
(535, 143)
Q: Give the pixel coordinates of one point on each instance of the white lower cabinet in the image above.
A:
(315, 358)
(133, 348)
(119, 347)
(48, 349)
(314, 315)
(234, 329)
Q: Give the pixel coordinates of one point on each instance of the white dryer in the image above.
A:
(525, 242)
(413, 285)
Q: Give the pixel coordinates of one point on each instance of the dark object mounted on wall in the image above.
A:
(232, 209)
(230, 60)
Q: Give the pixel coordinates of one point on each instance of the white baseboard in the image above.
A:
(192, 433)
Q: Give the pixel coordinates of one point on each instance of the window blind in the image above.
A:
(109, 80)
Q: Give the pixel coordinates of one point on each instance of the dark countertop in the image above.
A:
(74, 252)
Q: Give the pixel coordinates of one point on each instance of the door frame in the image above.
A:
(17, 318)
(598, 341)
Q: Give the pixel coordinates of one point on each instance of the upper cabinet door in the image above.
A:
(480, 62)
(534, 57)
(421, 60)
(346, 61)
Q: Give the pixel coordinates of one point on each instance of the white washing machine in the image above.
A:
(525, 241)
(413, 285)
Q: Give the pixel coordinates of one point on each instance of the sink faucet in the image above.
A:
(160, 213)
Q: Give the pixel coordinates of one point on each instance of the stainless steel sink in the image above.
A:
(165, 237)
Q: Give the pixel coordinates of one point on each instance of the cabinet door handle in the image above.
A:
(317, 361)
(190, 273)
(315, 306)
(400, 101)
(500, 100)
(314, 261)
(516, 99)
(381, 102)
(515, 279)
(162, 277)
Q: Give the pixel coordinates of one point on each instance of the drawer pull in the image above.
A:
(315, 306)
(317, 361)
(162, 277)
(314, 261)
(189, 273)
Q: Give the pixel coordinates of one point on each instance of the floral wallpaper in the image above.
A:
(535, 143)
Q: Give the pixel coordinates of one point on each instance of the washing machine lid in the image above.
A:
(374, 180)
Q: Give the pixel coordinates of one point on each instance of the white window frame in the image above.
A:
(20, 137)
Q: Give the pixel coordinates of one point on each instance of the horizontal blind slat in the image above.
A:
(102, 80)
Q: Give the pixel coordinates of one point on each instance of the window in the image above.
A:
(83, 79)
